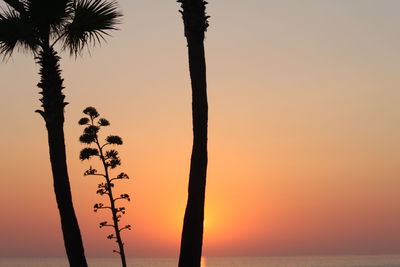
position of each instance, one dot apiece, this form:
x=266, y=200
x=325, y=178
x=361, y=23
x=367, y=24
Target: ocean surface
x=303, y=261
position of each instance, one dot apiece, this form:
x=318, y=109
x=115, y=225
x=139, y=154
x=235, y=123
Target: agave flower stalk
x=110, y=160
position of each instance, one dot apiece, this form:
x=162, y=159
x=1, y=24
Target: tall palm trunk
x=53, y=114
x=195, y=22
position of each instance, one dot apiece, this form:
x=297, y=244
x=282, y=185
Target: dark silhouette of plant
x=110, y=160
x=196, y=22
x=37, y=26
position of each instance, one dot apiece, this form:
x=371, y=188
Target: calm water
x=322, y=261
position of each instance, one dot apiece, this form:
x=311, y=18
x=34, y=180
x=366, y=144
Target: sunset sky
x=304, y=132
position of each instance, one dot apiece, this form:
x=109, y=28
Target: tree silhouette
x=37, y=26
x=109, y=160
x=196, y=23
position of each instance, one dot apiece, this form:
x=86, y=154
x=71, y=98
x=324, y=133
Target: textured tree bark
x=192, y=233
x=53, y=114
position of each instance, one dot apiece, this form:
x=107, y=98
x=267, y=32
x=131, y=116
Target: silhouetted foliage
x=83, y=121
x=37, y=26
x=110, y=159
x=195, y=22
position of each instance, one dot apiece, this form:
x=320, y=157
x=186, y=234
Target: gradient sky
x=304, y=131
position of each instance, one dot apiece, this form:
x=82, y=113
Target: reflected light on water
x=203, y=262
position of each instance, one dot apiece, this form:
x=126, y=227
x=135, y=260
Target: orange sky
x=304, y=131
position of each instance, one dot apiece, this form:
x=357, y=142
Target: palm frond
x=16, y=32
x=93, y=19
x=17, y=5
x=49, y=16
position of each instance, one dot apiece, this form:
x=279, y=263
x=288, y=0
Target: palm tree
x=195, y=22
x=37, y=26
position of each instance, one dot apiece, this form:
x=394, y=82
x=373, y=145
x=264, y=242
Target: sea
x=299, y=261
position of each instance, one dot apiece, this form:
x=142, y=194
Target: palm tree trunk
x=192, y=233
x=53, y=114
